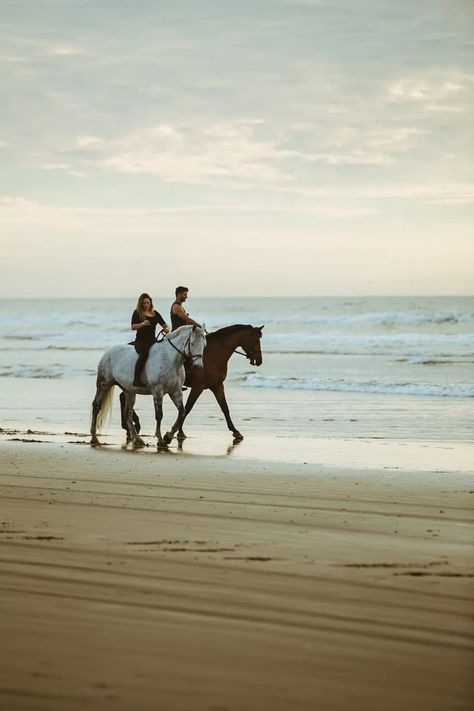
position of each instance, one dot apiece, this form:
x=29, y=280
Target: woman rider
x=144, y=322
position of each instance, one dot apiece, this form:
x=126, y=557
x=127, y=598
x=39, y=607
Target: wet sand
x=145, y=581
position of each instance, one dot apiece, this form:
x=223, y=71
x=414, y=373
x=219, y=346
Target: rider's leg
x=142, y=349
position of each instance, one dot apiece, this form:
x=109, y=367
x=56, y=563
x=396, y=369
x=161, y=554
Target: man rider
x=180, y=317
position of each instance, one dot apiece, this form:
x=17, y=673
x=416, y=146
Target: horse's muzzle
x=197, y=364
x=256, y=360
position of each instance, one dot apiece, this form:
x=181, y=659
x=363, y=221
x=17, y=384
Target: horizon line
x=255, y=296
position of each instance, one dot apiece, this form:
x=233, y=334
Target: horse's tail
x=106, y=409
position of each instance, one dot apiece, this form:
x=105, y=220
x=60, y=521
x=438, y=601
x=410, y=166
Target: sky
x=238, y=147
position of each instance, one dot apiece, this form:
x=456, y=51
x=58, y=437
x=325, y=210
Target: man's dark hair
x=180, y=290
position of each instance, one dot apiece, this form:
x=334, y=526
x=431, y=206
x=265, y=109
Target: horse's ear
x=260, y=328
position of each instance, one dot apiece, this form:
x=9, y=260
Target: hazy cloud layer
x=247, y=121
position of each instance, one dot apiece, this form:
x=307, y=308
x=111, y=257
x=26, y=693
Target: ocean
x=393, y=369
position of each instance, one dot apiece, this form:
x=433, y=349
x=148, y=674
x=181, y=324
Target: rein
x=231, y=350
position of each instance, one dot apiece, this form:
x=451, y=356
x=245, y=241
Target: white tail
x=106, y=409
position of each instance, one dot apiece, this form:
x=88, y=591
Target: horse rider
x=144, y=322
x=180, y=317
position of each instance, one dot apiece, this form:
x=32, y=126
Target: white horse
x=163, y=374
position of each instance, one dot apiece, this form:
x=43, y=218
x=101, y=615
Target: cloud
x=245, y=149
x=445, y=108
x=367, y=145
x=54, y=166
x=426, y=194
x=432, y=92
x=192, y=154
x=20, y=212
x=91, y=142
x=357, y=157
x=62, y=51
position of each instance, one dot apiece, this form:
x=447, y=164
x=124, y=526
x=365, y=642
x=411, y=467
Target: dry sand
x=145, y=581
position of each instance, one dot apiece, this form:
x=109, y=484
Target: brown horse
x=220, y=346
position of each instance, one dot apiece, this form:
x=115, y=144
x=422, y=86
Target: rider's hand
x=145, y=322
x=166, y=329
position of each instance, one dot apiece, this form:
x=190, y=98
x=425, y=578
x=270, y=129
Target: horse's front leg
x=219, y=394
x=127, y=418
x=190, y=402
x=177, y=398
x=158, y=402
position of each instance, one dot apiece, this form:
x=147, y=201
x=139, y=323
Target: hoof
x=138, y=443
x=162, y=447
x=168, y=437
x=237, y=436
x=180, y=436
x=95, y=442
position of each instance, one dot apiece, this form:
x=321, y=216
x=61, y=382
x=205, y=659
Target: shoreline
x=65, y=405
x=191, y=582
x=362, y=453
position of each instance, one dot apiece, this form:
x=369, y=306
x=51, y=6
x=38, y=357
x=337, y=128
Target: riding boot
x=142, y=350
x=137, y=381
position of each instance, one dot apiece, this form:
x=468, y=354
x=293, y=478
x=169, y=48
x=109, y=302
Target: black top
x=176, y=321
x=147, y=333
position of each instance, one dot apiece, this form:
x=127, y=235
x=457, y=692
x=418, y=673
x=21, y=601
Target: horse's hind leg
x=219, y=394
x=135, y=418
x=128, y=421
x=102, y=389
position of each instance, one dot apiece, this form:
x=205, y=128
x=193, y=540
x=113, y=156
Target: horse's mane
x=172, y=334
x=228, y=330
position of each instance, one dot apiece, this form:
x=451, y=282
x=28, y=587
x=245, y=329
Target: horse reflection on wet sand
x=220, y=346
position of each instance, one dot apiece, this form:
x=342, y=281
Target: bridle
x=186, y=356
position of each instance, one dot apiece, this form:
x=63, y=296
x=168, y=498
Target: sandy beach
x=144, y=581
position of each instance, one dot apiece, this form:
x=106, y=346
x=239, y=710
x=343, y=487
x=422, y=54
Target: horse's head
x=251, y=345
x=197, y=343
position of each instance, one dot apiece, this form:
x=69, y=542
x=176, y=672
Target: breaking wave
x=369, y=386
x=52, y=372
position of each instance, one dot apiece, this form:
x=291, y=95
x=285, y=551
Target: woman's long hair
x=139, y=306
